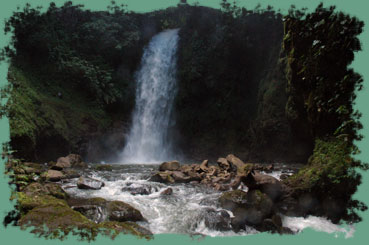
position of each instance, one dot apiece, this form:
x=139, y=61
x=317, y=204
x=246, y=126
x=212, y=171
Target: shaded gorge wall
x=80, y=83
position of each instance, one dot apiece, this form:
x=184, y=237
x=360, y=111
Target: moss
x=57, y=221
x=53, y=218
x=113, y=228
x=330, y=164
x=28, y=202
x=97, y=201
x=246, y=169
x=232, y=199
x=36, y=111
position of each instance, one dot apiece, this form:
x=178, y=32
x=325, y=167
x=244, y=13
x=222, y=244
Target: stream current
x=191, y=209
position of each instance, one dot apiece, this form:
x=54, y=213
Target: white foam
x=297, y=224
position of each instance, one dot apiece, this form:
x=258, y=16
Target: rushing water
x=191, y=209
x=148, y=139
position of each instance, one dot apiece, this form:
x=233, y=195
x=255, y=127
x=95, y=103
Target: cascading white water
x=148, y=140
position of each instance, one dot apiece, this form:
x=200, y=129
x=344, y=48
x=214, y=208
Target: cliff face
x=247, y=83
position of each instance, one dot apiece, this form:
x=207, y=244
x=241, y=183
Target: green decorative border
x=358, y=8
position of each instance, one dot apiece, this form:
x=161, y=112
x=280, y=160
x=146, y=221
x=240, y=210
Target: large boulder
x=216, y=219
x=56, y=221
x=223, y=164
x=180, y=177
x=53, y=175
x=170, y=166
x=162, y=177
x=235, y=161
x=27, y=201
x=113, y=228
x=89, y=183
x=257, y=208
x=230, y=200
x=52, y=189
x=265, y=183
x=61, y=163
x=71, y=174
x=120, y=211
x=74, y=159
x=93, y=208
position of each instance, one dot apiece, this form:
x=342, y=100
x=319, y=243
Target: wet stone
x=89, y=183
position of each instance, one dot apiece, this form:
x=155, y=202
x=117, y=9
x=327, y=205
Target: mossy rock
x=98, y=201
x=104, y=167
x=57, y=221
x=120, y=211
x=260, y=201
x=53, y=218
x=232, y=199
x=29, y=202
x=52, y=189
x=113, y=228
x=246, y=169
x=23, y=177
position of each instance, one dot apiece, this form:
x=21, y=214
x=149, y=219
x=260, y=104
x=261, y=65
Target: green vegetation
x=321, y=90
x=263, y=86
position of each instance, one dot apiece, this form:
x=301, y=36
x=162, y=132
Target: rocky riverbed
x=228, y=197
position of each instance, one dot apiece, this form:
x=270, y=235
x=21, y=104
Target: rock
x=94, y=213
x=53, y=175
x=89, y=183
x=52, y=189
x=217, y=220
x=170, y=166
x=236, y=162
x=93, y=208
x=230, y=200
x=80, y=165
x=125, y=228
x=269, y=167
x=33, y=165
x=162, y=177
x=29, y=170
x=139, y=190
x=55, y=190
x=74, y=159
x=120, y=211
x=61, y=163
x=180, y=177
x=56, y=220
x=204, y=165
x=220, y=187
x=273, y=224
x=194, y=176
x=104, y=167
x=246, y=216
x=267, y=184
x=284, y=176
x=212, y=171
x=167, y=192
x=186, y=169
x=71, y=174
x=27, y=201
x=256, y=181
x=223, y=164
x=257, y=208
x=18, y=170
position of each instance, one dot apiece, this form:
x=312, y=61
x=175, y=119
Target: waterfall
x=149, y=139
